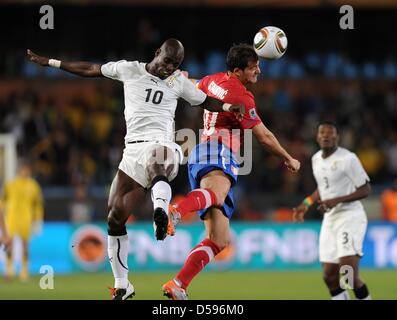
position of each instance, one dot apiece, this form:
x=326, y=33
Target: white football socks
x=118, y=255
x=161, y=195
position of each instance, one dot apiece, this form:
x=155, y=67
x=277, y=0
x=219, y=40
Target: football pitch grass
x=226, y=285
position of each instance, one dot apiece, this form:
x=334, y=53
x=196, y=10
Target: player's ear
x=237, y=71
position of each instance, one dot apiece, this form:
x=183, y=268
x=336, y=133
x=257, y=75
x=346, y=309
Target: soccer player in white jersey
x=341, y=183
x=151, y=158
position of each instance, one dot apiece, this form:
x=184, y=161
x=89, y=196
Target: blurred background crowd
x=72, y=129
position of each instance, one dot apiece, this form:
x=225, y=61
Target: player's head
x=24, y=168
x=327, y=135
x=168, y=58
x=243, y=62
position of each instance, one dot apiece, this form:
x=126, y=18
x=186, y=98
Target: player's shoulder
x=177, y=80
x=134, y=65
x=345, y=153
x=122, y=68
x=125, y=63
x=316, y=156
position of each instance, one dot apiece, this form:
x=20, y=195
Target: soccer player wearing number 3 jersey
x=341, y=183
x=151, y=158
x=213, y=167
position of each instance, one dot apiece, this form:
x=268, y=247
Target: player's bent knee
x=116, y=221
x=221, y=243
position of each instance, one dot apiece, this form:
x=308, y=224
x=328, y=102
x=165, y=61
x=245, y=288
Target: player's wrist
x=54, y=63
x=307, y=202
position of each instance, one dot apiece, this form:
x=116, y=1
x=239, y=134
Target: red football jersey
x=228, y=127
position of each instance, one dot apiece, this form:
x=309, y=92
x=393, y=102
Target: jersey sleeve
x=251, y=117
x=191, y=93
x=119, y=70
x=356, y=172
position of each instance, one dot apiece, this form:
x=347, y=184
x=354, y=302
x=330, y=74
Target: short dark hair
x=239, y=55
x=329, y=123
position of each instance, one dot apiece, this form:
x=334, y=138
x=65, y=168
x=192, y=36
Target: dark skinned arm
x=360, y=193
x=299, y=211
x=215, y=105
x=80, y=68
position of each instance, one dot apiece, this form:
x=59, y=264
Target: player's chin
x=254, y=79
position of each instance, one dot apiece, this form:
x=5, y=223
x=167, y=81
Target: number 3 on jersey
x=156, y=98
x=326, y=182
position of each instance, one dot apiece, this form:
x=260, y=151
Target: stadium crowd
x=79, y=138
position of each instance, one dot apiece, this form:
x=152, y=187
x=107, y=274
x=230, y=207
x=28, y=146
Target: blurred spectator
x=370, y=156
x=24, y=212
x=246, y=212
x=389, y=203
x=81, y=210
x=77, y=135
x=282, y=215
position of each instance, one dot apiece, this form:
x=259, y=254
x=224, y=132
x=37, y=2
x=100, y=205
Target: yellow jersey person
x=23, y=206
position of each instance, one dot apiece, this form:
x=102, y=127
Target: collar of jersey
x=152, y=75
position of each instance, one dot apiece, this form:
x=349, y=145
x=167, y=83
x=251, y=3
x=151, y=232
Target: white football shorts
x=342, y=234
x=136, y=158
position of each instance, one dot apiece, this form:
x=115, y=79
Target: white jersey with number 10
x=150, y=102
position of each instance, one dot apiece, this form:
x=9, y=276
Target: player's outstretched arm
x=269, y=141
x=215, y=105
x=300, y=211
x=80, y=68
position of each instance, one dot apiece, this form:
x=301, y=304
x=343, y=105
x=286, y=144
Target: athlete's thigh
x=350, y=233
x=217, y=225
x=162, y=160
x=217, y=181
x=125, y=193
x=328, y=244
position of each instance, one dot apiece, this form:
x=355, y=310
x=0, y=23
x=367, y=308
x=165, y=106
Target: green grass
x=209, y=285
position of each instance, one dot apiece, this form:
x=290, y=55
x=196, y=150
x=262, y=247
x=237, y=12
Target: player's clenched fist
x=293, y=165
x=299, y=213
x=43, y=61
x=239, y=109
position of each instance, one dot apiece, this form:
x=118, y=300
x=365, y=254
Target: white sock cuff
x=207, y=198
x=206, y=249
x=112, y=240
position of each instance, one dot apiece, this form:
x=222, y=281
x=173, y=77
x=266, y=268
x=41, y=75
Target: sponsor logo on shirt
x=217, y=90
x=252, y=113
x=170, y=81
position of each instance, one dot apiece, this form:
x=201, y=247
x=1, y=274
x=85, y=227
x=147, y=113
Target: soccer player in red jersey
x=212, y=164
